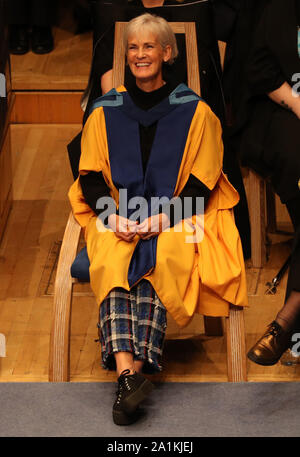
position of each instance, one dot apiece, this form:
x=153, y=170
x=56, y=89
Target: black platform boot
x=132, y=390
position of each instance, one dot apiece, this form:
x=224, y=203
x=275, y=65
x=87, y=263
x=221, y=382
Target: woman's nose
x=140, y=53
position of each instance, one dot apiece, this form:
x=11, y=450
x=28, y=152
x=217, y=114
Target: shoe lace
x=119, y=393
x=122, y=381
x=274, y=330
x=124, y=373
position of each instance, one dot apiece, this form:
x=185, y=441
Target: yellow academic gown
x=203, y=276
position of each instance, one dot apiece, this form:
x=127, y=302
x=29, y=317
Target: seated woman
x=147, y=142
x=271, y=145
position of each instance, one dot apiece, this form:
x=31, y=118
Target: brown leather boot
x=270, y=347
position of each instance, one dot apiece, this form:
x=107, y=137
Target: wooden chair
x=262, y=212
x=255, y=187
x=60, y=333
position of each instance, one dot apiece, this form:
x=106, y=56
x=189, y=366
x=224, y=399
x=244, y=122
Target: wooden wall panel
x=47, y=108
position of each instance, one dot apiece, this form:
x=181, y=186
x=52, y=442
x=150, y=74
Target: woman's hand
x=152, y=226
x=122, y=227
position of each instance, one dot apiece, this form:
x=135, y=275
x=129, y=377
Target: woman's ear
x=167, y=53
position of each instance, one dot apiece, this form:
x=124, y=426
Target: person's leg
x=43, y=13
x=117, y=324
x=278, y=337
x=18, y=13
x=290, y=312
x=124, y=361
x=116, y=331
x=138, y=366
x=42, y=17
x=152, y=324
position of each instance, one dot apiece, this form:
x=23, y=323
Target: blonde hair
x=156, y=25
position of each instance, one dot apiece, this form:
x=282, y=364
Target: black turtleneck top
x=93, y=184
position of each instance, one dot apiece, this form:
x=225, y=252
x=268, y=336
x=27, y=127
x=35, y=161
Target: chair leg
x=271, y=209
x=257, y=219
x=213, y=326
x=59, y=361
x=236, y=348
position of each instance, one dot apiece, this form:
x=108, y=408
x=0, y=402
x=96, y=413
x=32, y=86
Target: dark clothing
x=93, y=184
x=271, y=139
x=235, y=22
x=146, y=100
x=281, y=152
x=294, y=274
x=274, y=57
x=31, y=12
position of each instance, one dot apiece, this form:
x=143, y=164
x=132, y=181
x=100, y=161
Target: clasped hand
x=126, y=229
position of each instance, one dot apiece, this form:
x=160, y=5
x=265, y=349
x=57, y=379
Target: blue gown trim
x=181, y=94
x=112, y=98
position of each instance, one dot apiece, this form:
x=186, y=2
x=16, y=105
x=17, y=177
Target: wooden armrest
x=68, y=252
x=60, y=333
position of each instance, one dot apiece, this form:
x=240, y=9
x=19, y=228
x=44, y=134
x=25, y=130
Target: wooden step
x=47, y=108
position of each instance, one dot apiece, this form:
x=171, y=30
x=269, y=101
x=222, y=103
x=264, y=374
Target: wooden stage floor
x=66, y=68
x=30, y=246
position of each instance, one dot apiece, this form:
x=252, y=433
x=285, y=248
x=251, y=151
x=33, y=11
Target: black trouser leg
x=232, y=168
x=31, y=12
x=43, y=12
x=18, y=12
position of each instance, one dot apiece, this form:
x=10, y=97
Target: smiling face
x=145, y=57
